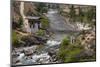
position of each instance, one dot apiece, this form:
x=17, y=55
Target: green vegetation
x=15, y=39
x=69, y=55
x=91, y=15
x=80, y=16
x=40, y=32
x=75, y=52
x=65, y=42
x=20, y=22
x=41, y=8
x=44, y=22
x=87, y=16
x=72, y=14
x=68, y=52
x=84, y=15
x=17, y=24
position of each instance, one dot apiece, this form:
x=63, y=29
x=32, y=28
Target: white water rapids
x=41, y=57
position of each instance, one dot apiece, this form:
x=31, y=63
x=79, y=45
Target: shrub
x=17, y=24
x=71, y=54
x=20, y=22
x=40, y=32
x=68, y=52
x=65, y=41
x=41, y=8
x=15, y=39
x=44, y=22
x=61, y=55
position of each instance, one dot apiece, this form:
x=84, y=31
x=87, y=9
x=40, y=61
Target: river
x=58, y=25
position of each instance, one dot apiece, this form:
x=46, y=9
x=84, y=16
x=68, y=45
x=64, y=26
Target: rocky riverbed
x=36, y=54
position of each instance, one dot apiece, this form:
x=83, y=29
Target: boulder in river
x=28, y=53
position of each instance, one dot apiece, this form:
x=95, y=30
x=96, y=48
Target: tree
x=41, y=8
x=81, y=15
x=91, y=15
x=72, y=14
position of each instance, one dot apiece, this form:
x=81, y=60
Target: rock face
x=88, y=39
x=88, y=42
x=33, y=40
